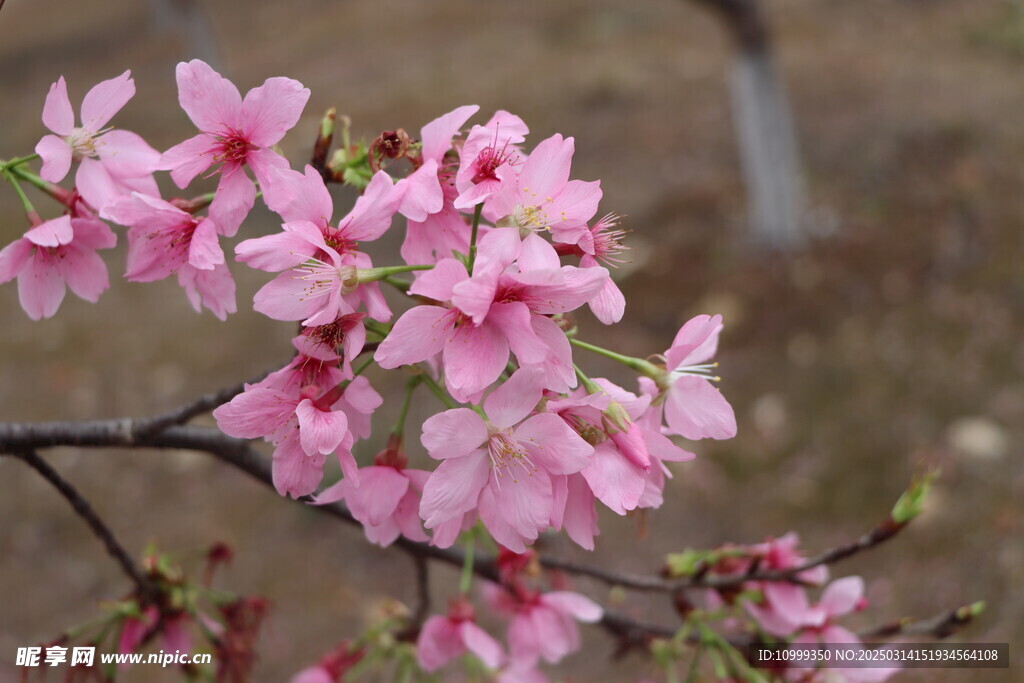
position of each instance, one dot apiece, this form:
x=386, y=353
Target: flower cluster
x=501, y=246
x=782, y=609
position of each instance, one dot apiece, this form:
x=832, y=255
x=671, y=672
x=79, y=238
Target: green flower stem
x=25, y=203
x=590, y=385
x=374, y=274
x=438, y=391
x=19, y=161
x=639, y=364
x=400, y=285
x=410, y=387
x=472, y=237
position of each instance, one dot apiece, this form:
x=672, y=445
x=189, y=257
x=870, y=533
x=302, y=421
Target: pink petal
x=419, y=334
x=516, y=506
x=371, y=216
x=421, y=193
x=380, y=490
x=214, y=289
x=84, y=272
x=454, y=488
x=547, y=170
x=56, y=155
x=97, y=186
x=696, y=410
x=265, y=163
x=14, y=258
x=233, y=200
x=559, y=375
x=576, y=204
x=187, y=159
x=538, y=254
x=608, y=305
x=438, y=283
x=52, y=233
x=696, y=341
x=40, y=289
x=271, y=110
x=106, y=99
x=580, y=518
x=454, y=433
x=614, y=480
x=295, y=473
x=126, y=154
x=256, y=413
x=475, y=295
x=57, y=113
x=320, y=431
x=841, y=596
x=210, y=100
x=439, y=642
x=277, y=252
x=579, y=607
x=437, y=135
x=481, y=644
x=297, y=196
x=515, y=321
x=204, y=250
x=553, y=445
x=285, y=298
x=474, y=356
x=515, y=399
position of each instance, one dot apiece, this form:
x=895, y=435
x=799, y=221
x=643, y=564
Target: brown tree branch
x=147, y=591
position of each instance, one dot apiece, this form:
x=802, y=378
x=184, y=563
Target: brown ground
x=891, y=343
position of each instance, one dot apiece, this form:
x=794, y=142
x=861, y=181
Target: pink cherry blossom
x=163, y=240
x=445, y=638
x=839, y=598
x=113, y=162
x=544, y=626
x=321, y=263
x=501, y=465
x=542, y=196
x=386, y=501
x=503, y=308
x=56, y=254
x=693, y=407
x=235, y=133
x=304, y=432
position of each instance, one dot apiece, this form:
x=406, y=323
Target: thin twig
x=940, y=626
x=422, y=609
x=81, y=506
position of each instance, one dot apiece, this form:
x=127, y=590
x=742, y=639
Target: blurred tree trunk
x=188, y=19
x=765, y=131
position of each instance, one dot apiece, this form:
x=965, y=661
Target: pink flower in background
x=839, y=598
x=320, y=263
x=445, y=638
x=544, y=625
x=502, y=465
x=163, y=240
x=113, y=162
x=694, y=408
x=54, y=255
x=235, y=133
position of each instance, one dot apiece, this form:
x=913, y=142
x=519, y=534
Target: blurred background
x=878, y=329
